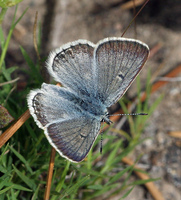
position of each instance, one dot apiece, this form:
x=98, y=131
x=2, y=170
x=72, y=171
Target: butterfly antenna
x=123, y=114
x=101, y=143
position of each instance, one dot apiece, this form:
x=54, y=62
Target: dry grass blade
x=131, y=4
x=50, y=174
x=176, y=134
x=8, y=82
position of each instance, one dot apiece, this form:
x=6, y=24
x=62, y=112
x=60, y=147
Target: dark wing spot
x=121, y=76
x=82, y=135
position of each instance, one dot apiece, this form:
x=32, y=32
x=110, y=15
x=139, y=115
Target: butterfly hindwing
x=74, y=137
x=52, y=103
x=69, y=129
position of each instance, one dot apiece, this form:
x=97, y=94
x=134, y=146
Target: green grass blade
x=95, y=187
x=6, y=189
x=62, y=179
x=13, y=197
x=2, y=39
x=29, y=182
x=22, y=159
x=118, y=175
x=3, y=54
x=142, y=182
x=34, y=73
x=72, y=189
x=102, y=191
x=35, y=194
x=2, y=12
x=19, y=187
x=111, y=157
x=127, y=193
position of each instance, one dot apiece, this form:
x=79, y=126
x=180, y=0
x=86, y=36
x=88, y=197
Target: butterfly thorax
x=98, y=109
x=94, y=107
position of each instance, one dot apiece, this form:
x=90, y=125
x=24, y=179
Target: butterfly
x=94, y=77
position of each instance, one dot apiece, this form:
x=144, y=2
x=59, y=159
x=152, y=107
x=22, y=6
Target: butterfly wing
x=69, y=129
x=118, y=62
x=72, y=66
x=50, y=103
x=74, y=137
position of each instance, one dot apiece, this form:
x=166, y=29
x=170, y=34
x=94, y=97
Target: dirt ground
x=158, y=24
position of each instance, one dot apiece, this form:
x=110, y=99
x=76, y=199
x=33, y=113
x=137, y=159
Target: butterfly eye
x=106, y=119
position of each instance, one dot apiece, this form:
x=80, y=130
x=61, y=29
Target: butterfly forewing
x=72, y=66
x=118, y=62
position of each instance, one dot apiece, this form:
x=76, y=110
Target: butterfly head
x=105, y=118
